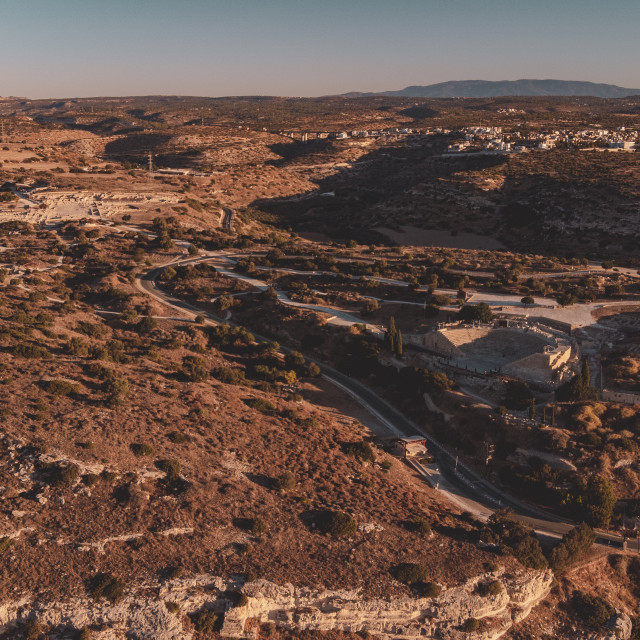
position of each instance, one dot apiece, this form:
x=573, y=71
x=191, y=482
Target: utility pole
x=150, y=162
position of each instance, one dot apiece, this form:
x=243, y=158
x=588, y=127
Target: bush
x=237, y=598
x=115, y=388
x=177, y=437
x=336, y=523
x=93, y=330
x=573, y=545
x=195, y=369
x=594, y=611
x=146, y=325
x=77, y=347
x=285, y=482
x=361, y=450
x=429, y=589
x=229, y=375
x=172, y=607
x=107, y=586
x=470, y=625
x=171, y=468
x=259, y=404
x=421, y=525
x=257, y=526
x=31, y=351
x=141, y=449
x=475, y=313
x=5, y=543
x=410, y=573
x=493, y=588
x=519, y=539
x=61, y=387
x=60, y=475
x=204, y=621
x=369, y=307
x=599, y=500
x=313, y=370
x=169, y=273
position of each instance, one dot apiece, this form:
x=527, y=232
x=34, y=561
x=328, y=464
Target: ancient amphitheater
x=523, y=351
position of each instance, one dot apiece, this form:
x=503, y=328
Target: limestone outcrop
x=298, y=608
x=146, y=616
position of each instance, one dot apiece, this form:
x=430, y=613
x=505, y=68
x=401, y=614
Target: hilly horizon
x=498, y=88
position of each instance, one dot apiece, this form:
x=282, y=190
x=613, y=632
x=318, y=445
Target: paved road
x=466, y=488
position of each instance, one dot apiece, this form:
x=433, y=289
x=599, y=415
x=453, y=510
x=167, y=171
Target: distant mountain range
x=492, y=89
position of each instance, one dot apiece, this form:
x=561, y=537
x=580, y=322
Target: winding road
x=455, y=480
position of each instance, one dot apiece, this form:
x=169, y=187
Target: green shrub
x=141, y=449
x=470, y=625
x=410, y=573
x=492, y=588
x=172, y=607
x=573, y=545
x=31, y=351
x=311, y=423
x=429, y=589
x=195, y=369
x=61, y=388
x=520, y=540
x=147, y=325
x=90, y=479
x=361, y=450
x=107, y=586
x=594, y=611
x=237, y=598
x=421, y=525
x=257, y=526
x=60, y=475
x=77, y=347
x=91, y=329
x=204, y=621
x=336, y=523
x=229, y=375
x=177, y=437
x=285, y=482
x=260, y=404
x=171, y=468
x=5, y=543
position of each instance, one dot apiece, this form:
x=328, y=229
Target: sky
x=81, y=48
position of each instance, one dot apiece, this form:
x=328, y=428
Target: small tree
x=475, y=313
x=195, y=369
x=336, y=523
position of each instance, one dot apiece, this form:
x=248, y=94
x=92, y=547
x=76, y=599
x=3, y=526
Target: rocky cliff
x=146, y=616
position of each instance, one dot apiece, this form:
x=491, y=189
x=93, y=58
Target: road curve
x=475, y=492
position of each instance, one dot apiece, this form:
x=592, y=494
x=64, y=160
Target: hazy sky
x=72, y=48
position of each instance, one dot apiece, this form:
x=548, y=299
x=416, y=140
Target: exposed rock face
x=619, y=627
x=297, y=608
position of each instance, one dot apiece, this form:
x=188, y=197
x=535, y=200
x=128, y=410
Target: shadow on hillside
x=369, y=189
x=558, y=203
x=136, y=148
